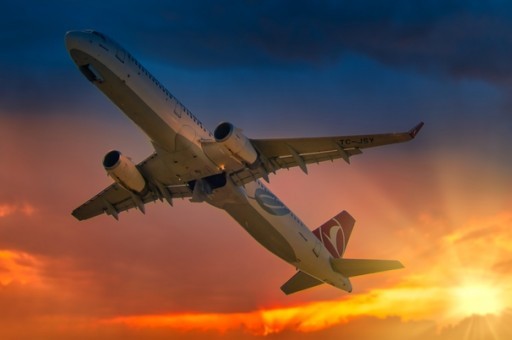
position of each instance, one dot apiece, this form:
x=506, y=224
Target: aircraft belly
x=273, y=232
x=261, y=230
x=291, y=242
x=130, y=103
x=310, y=255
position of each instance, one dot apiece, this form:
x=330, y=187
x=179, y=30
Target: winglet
x=414, y=131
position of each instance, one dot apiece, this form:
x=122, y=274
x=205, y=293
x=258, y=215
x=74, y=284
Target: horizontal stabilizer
x=355, y=267
x=298, y=282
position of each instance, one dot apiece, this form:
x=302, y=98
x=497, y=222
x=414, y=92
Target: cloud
x=10, y=209
x=125, y=293
x=139, y=277
x=18, y=267
x=454, y=38
x=363, y=327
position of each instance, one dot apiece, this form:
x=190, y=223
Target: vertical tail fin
x=335, y=233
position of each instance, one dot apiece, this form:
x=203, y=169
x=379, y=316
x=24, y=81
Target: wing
x=277, y=154
x=116, y=199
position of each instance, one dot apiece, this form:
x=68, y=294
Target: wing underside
x=276, y=154
x=115, y=199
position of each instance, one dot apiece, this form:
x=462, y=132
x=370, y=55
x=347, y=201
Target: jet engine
x=123, y=171
x=236, y=142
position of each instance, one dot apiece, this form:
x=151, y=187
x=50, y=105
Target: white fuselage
x=175, y=131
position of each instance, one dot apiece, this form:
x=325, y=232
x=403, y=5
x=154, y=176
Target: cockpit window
x=99, y=35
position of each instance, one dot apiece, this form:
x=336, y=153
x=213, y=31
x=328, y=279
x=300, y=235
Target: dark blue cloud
x=460, y=39
x=452, y=36
x=456, y=38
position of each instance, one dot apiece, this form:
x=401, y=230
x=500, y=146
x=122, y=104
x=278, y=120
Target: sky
x=440, y=204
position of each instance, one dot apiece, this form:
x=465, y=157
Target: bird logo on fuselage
x=270, y=203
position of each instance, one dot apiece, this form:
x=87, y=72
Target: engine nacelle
x=236, y=142
x=123, y=171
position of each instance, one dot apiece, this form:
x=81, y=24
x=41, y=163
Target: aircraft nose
x=73, y=38
x=70, y=39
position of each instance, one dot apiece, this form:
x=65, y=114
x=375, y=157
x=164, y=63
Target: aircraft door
x=317, y=247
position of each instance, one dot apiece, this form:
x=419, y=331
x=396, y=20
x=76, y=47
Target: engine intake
x=123, y=171
x=236, y=142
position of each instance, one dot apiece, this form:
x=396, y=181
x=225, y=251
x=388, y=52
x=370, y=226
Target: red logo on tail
x=335, y=233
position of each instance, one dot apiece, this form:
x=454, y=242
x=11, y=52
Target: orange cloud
x=18, y=267
x=304, y=318
x=407, y=303
x=455, y=282
x=11, y=209
x=455, y=249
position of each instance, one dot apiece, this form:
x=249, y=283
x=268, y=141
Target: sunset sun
x=476, y=298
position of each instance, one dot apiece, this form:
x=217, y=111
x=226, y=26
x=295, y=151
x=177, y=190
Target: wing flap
x=279, y=147
x=290, y=152
x=356, y=267
x=247, y=175
x=298, y=282
x=115, y=199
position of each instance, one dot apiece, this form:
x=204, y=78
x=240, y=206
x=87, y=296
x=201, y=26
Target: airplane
x=222, y=168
